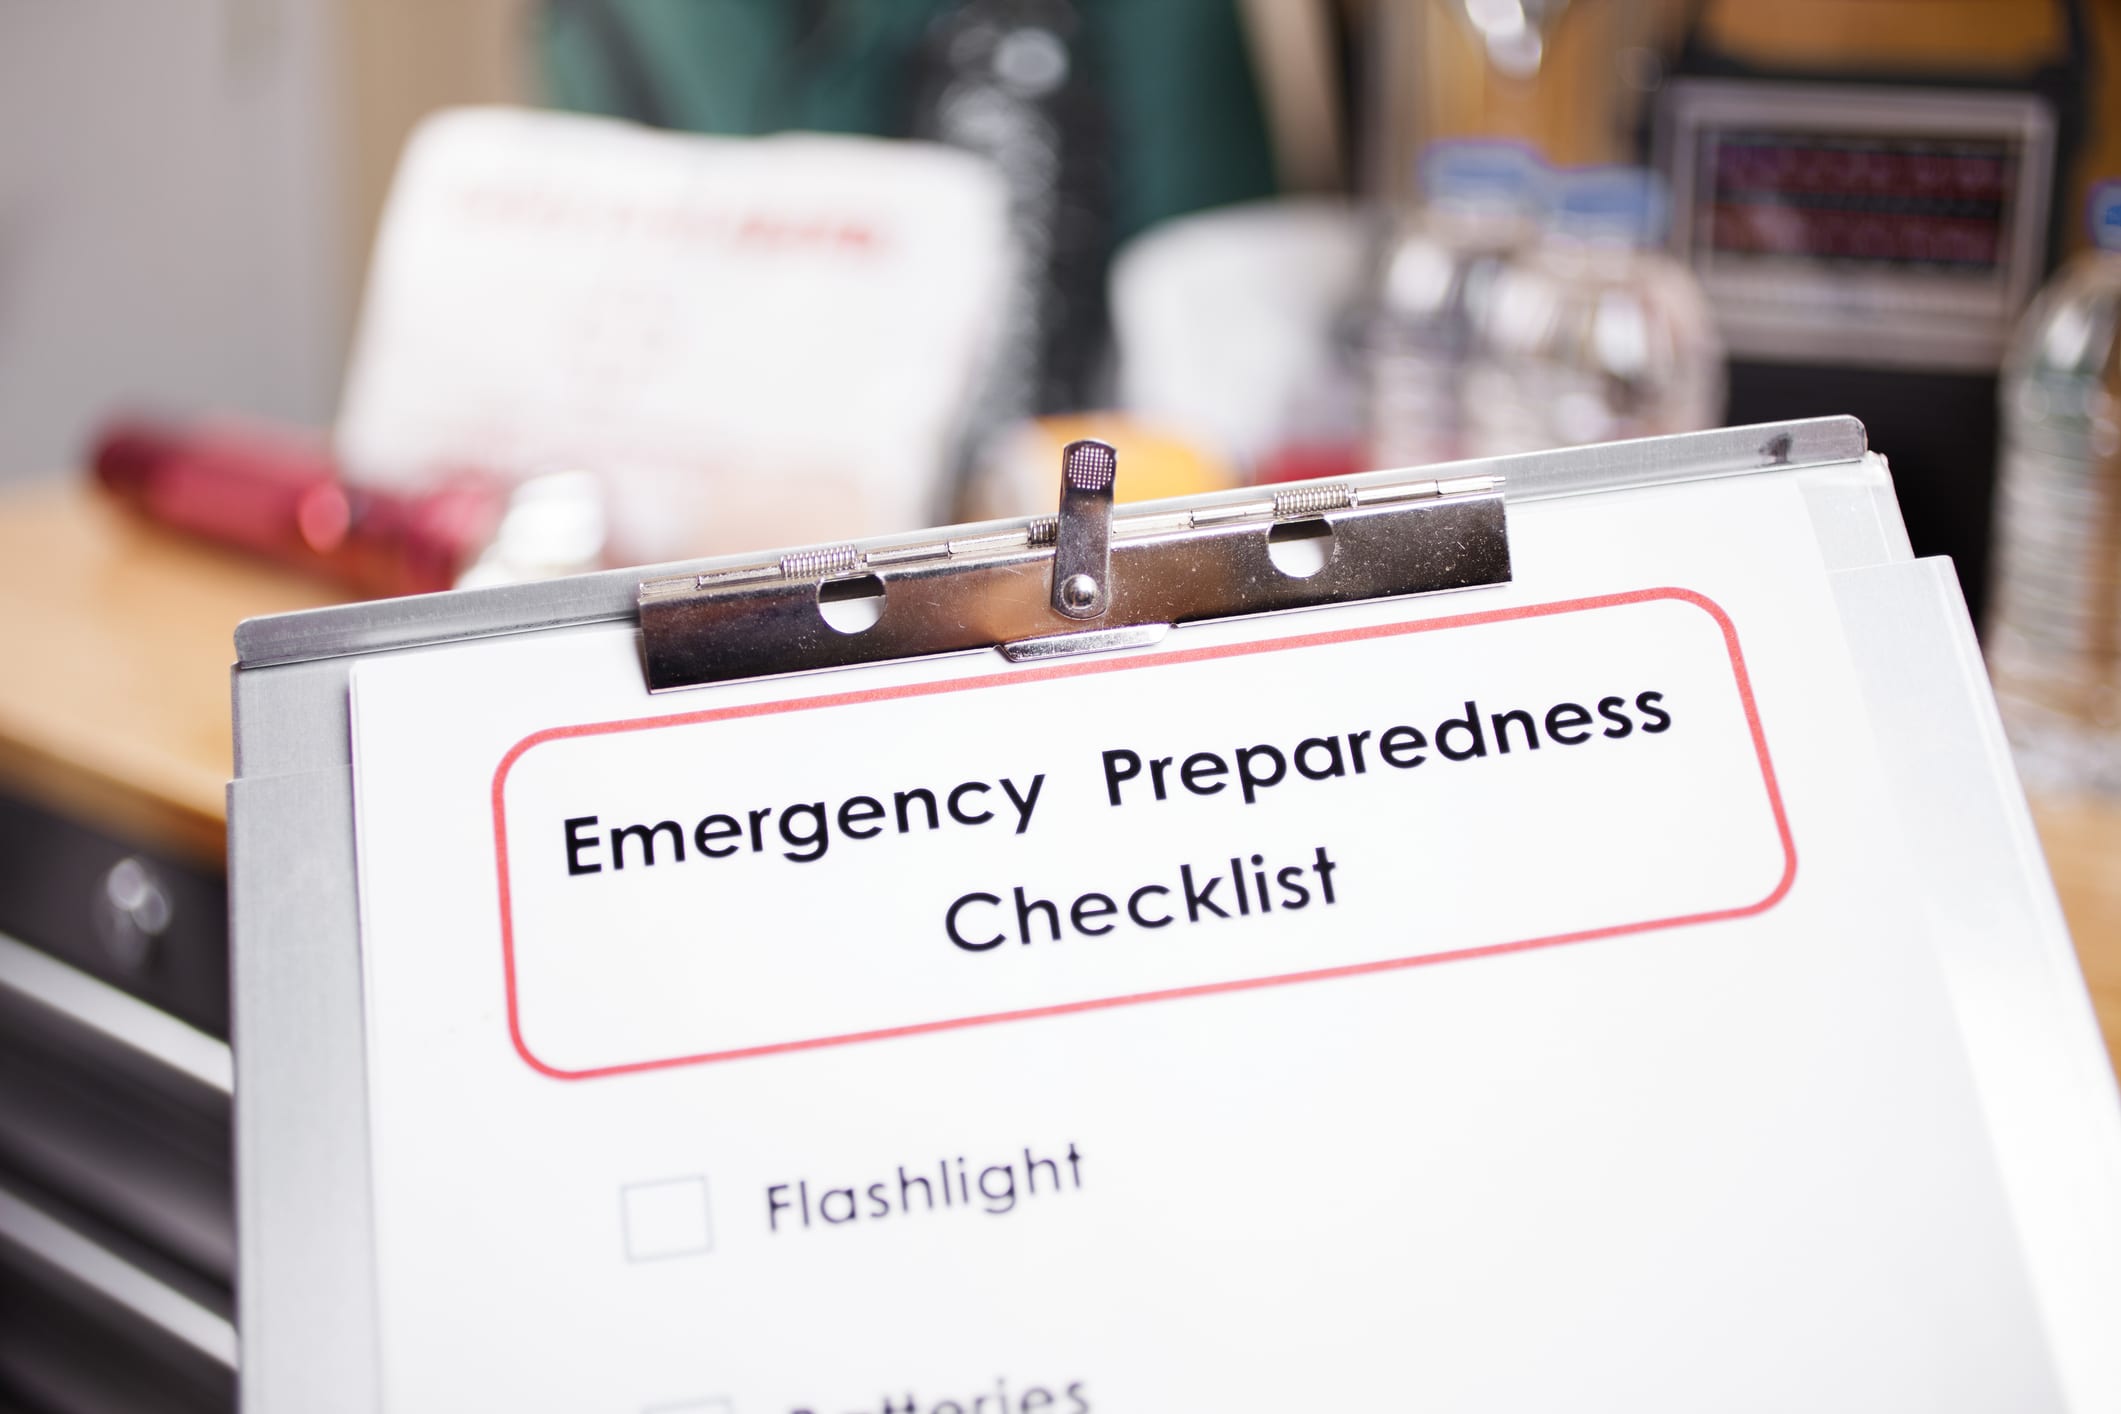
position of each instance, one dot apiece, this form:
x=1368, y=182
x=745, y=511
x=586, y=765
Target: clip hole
x=1300, y=548
x=851, y=605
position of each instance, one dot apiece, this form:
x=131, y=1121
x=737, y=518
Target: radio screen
x=1938, y=204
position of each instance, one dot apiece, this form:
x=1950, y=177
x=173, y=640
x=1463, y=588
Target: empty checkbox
x=666, y=1219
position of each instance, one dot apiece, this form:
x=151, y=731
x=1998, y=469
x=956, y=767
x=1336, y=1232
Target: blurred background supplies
x=1593, y=333
x=749, y=342
x=277, y=492
x=1016, y=476
x=1101, y=118
x=1870, y=193
x=1009, y=80
x=1517, y=308
x=1226, y=329
x=2054, y=632
x=1571, y=80
x=1426, y=316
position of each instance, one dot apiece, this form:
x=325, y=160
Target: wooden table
x=117, y=639
x=114, y=704
x=2083, y=843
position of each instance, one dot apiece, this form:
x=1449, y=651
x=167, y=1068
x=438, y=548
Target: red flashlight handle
x=279, y=494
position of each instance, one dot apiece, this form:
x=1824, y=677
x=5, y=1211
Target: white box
x=668, y=1218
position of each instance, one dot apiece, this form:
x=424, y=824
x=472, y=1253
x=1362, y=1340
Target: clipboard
x=1117, y=930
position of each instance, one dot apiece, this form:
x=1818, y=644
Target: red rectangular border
x=1107, y=665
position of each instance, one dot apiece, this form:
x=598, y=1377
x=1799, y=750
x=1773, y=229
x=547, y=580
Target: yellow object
x=1022, y=478
x=1152, y=463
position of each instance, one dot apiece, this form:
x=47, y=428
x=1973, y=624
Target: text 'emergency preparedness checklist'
x=853, y=866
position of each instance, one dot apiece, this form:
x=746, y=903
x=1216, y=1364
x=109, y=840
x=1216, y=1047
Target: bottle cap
x=1482, y=172
x=2105, y=211
x=1623, y=205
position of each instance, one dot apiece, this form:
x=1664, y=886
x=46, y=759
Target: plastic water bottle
x=1480, y=207
x=2054, y=631
x=1594, y=334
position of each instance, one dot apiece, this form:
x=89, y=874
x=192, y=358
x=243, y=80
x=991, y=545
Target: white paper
x=1603, y=1158
x=750, y=340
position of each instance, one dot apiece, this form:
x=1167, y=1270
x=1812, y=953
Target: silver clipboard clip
x=1081, y=581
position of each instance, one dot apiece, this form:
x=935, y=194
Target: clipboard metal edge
x=1152, y=568
x=606, y=596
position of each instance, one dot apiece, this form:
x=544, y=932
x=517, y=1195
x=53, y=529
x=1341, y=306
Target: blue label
x=2106, y=215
